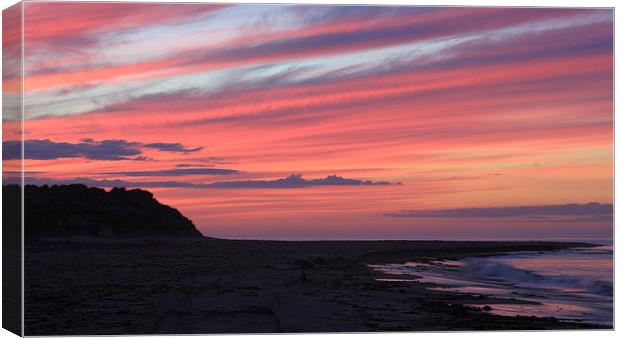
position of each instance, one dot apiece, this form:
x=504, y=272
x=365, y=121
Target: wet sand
x=225, y=286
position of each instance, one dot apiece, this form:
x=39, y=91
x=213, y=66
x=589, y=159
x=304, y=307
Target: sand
x=224, y=286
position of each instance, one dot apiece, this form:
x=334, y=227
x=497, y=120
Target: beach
x=183, y=286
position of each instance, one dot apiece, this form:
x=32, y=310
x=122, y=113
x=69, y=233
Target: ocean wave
x=484, y=269
x=570, y=284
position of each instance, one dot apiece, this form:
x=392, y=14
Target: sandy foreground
x=225, y=286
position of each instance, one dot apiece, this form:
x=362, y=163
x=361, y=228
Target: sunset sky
x=328, y=122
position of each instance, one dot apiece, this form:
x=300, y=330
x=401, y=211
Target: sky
x=327, y=122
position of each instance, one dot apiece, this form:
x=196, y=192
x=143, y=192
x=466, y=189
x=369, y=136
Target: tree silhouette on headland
x=78, y=210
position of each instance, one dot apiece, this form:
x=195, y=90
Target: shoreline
x=509, y=289
x=243, y=286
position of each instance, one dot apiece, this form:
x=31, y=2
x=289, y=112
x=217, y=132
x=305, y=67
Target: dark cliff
x=77, y=210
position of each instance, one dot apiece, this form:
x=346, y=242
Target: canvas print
x=289, y=168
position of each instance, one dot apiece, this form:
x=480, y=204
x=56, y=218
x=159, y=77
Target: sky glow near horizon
x=388, y=113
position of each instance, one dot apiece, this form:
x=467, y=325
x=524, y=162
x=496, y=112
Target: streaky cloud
x=172, y=147
x=177, y=172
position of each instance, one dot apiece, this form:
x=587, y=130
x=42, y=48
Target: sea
x=573, y=284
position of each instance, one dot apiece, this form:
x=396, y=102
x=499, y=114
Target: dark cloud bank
x=105, y=150
x=578, y=212
x=296, y=181
x=293, y=181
